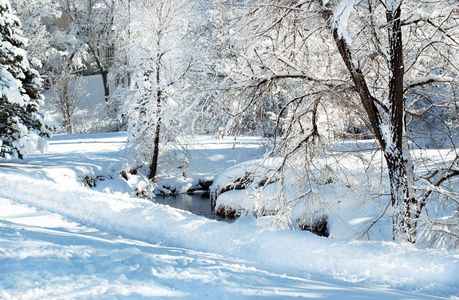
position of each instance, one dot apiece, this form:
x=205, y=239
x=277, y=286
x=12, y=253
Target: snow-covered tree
x=35, y=17
x=276, y=81
x=22, y=127
x=160, y=61
x=58, y=51
x=92, y=23
x=65, y=95
x=393, y=57
x=369, y=59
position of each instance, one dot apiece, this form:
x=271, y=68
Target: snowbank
x=397, y=265
x=195, y=161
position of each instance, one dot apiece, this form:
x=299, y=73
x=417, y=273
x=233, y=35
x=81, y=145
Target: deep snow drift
x=59, y=238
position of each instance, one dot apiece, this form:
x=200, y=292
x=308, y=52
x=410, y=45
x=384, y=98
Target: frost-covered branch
x=437, y=178
x=431, y=78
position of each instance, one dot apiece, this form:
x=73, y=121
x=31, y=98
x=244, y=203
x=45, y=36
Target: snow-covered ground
x=61, y=239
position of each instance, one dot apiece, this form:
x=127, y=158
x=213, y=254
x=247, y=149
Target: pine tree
x=22, y=127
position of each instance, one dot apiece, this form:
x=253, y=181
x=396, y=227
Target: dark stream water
x=198, y=204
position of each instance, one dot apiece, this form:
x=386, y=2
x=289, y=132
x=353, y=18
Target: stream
x=197, y=203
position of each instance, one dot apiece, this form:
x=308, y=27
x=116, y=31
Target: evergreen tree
x=22, y=127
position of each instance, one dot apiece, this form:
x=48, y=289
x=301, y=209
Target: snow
x=9, y=88
x=61, y=239
x=341, y=18
x=210, y=156
x=429, y=78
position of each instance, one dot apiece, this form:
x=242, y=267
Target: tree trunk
x=154, y=161
x=401, y=201
x=66, y=109
x=389, y=133
x=104, y=73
